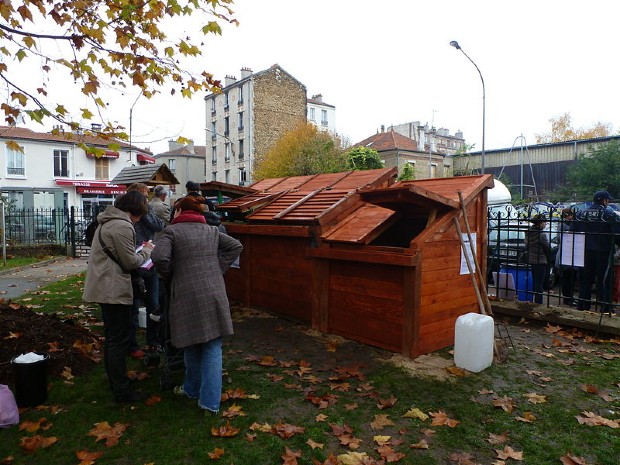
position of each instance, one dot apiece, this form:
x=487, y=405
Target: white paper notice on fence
x=465, y=239
x=573, y=247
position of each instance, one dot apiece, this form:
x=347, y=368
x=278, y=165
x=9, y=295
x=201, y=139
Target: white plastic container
x=142, y=317
x=473, y=342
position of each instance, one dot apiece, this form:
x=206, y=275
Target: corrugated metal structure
x=360, y=255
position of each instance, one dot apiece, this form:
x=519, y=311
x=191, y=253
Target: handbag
x=9, y=413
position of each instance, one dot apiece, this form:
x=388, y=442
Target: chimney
x=190, y=146
x=245, y=72
x=382, y=128
x=229, y=80
x=174, y=145
x=318, y=98
x=95, y=127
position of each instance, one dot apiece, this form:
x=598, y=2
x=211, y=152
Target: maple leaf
x=462, y=458
x=331, y=460
x=152, y=400
x=216, y=454
x=352, y=458
x=456, y=371
x=591, y=419
x=275, y=377
x=314, y=445
x=389, y=454
x=552, y=329
x=286, y=430
x=338, y=430
x=267, y=361
x=534, y=398
x=380, y=422
x=497, y=438
x=264, y=428
x=416, y=413
x=290, y=457
x=350, y=441
x=111, y=434
x=509, y=453
x=234, y=411
x=234, y=394
x=87, y=458
x=32, y=443
x=382, y=440
x=386, y=403
x=528, y=417
x=33, y=426
x=320, y=417
x=352, y=406
x=570, y=459
x=505, y=403
x=421, y=444
x=331, y=346
x=225, y=431
x=441, y=419
x=66, y=374
x=342, y=387
x=250, y=437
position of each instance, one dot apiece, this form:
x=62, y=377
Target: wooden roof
x=305, y=199
x=150, y=175
x=233, y=191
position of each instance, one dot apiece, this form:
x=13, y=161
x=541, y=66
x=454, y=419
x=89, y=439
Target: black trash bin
x=30, y=382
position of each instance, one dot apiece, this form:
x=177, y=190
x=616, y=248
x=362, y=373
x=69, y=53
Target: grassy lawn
x=16, y=262
x=292, y=397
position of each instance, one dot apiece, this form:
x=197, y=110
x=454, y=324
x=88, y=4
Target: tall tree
x=562, y=130
x=598, y=170
x=363, y=158
x=100, y=43
x=301, y=151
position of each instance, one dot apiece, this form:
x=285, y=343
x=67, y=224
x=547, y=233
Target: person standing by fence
x=538, y=253
x=601, y=225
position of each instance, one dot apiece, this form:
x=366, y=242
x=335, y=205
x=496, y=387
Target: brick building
x=246, y=118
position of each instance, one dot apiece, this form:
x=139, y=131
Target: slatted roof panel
x=311, y=206
x=248, y=202
x=271, y=210
x=151, y=175
x=362, y=226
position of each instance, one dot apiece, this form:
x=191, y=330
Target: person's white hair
x=160, y=191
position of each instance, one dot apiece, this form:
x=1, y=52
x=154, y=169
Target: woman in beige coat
x=108, y=283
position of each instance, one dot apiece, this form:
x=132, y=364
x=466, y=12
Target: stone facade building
x=187, y=162
x=440, y=139
x=246, y=118
x=397, y=150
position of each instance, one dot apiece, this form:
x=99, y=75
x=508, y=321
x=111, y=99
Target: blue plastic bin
x=524, y=284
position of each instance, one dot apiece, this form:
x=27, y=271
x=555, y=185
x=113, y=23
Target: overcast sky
x=390, y=62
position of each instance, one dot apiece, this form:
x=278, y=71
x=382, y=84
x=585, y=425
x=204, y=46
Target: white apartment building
x=321, y=114
x=53, y=171
x=246, y=118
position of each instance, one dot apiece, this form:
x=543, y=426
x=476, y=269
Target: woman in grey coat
x=108, y=283
x=193, y=257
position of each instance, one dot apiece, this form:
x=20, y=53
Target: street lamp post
x=456, y=45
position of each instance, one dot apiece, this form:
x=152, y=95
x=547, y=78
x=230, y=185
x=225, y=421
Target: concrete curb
x=40, y=264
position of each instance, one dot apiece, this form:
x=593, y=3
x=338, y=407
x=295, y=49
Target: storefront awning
x=146, y=158
x=100, y=190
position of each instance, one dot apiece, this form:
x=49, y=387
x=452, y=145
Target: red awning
x=100, y=190
x=146, y=158
x=106, y=154
x=91, y=184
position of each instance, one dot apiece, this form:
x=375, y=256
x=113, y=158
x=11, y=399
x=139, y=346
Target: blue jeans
x=203, y=373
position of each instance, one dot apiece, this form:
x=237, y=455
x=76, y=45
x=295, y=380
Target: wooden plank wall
x=445, y=294
x=365, y=302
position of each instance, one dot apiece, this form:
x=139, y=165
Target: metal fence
x=64, y=226
x=571, y=277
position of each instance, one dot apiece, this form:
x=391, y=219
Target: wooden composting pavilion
x=360, y=255
x=151, y=175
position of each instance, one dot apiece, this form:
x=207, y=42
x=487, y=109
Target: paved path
x=15, y=282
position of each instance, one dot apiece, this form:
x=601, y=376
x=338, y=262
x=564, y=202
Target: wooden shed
x=151, y=175
x=360, y=255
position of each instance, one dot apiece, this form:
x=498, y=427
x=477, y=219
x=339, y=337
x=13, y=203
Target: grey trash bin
x=30, y=382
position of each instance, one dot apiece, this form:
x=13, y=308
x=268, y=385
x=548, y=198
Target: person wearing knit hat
x=193, y=257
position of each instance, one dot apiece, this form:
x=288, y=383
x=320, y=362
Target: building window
x=213, y=131
x=15, y=163
x=324, y=117
x=240, y=101
x=227, y=177
x=240, y=123
x=61, y=163
x=172, y=164
x=102, y=168
x=311, y=114
x=214, y=176
x=213, y=106
x=226, y=126
x=243, y=176
x=227, y=152
x=214, y=155
x=226, y=101
x=241, y=149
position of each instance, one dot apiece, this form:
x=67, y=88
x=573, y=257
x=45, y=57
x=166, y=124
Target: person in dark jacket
x=538, y=253
x=193, y=257
x=568, y=272
x=108, y=283
x=146, y=288
x=602, y=227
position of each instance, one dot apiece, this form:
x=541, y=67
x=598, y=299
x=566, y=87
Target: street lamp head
x=455, y=44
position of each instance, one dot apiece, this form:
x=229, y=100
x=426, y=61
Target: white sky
x=390, y=62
